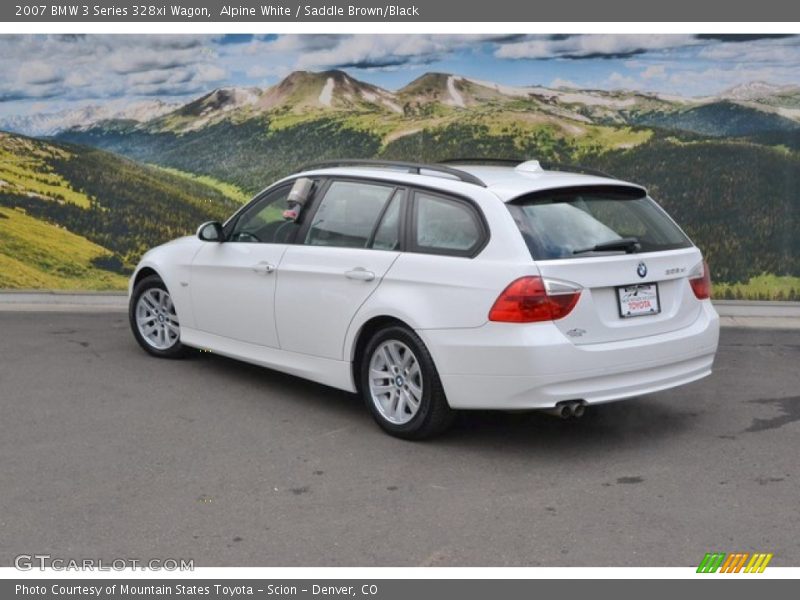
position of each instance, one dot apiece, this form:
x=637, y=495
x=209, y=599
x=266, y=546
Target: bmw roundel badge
x=641, y=270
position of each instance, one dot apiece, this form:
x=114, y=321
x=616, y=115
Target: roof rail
x=546, y=165
x=483, y=161
x=411, y=167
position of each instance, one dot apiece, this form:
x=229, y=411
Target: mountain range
x=126, y=178
x=759, y=106
x=48, y=124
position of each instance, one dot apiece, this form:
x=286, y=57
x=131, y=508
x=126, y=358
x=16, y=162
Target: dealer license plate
x=638, y=300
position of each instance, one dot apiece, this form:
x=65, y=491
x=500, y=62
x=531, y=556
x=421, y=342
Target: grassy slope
x=761, y=287
x=25, y=167
x=38, y=255
x=67, y=206
x=228, y=189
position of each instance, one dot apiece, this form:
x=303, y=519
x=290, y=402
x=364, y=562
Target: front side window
x=348, y=213
x=263, y=222
x=579, y=222
x=445, y=225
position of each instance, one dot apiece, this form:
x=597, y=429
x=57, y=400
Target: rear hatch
x=631, y=260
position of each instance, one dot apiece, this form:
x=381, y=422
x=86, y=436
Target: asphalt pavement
x=108, y=453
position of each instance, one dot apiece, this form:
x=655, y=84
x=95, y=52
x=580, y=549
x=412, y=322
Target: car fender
x=172, y=262
x=366, y=313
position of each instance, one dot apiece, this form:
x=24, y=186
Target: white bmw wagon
x=433, y=288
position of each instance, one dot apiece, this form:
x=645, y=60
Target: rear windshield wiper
x=629, y=245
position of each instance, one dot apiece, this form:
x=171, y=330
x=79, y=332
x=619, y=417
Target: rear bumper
x=510, y=366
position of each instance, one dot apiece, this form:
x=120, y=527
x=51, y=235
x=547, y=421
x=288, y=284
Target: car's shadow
x=632, y=422
x=635, y=422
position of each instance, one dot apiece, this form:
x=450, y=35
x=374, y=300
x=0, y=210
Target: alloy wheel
x=157, y=320
x=395, y=382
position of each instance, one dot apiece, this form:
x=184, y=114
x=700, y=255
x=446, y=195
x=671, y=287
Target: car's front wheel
x=401, y=386
x=154, y=320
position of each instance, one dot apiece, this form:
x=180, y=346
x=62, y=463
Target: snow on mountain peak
x=46, y=124
x=751, y=91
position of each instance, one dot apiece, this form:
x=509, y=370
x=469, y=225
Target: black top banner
x=260, y=11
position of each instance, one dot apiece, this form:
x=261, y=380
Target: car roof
x=506, y=182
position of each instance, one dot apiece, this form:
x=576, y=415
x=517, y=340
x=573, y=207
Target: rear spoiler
x=612, y=190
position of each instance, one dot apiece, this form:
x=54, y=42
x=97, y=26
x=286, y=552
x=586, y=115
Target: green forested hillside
x=718, y=119
x=92, y=211
x=252, y=153
x=249, y=154
x=738, y=199
x=457, y=140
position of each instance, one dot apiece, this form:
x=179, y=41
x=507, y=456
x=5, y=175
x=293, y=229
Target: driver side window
x=263, y=222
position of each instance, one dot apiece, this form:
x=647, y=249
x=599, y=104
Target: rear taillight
x=700, y=280
x=531, y=299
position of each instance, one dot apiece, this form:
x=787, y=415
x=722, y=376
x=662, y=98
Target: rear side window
x=445, y=225
x=578, y=222
x=348, y=214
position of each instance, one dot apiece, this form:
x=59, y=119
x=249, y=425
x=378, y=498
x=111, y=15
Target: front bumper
x=512, y=367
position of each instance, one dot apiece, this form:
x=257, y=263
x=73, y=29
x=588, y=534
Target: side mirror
x=211, y=232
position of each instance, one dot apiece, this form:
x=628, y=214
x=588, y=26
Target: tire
x=160, y=334
x=390, y=377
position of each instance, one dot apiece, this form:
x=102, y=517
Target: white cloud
x=619, y=81
x=38, y=73
x=369, y=51
x=303, y=43
x=80, y=67
x=781, y=50
x=76, y=80
x=264, y=72
x=654, y=72
x=589, y=46
x=205, y=73
x=99, y=68
x=159, y=77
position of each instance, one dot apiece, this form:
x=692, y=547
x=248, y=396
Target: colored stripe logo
x=735, y=562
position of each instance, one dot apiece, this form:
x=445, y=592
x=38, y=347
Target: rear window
x=579, y=222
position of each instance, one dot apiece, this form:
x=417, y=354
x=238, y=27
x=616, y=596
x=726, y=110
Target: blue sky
x=50, y=73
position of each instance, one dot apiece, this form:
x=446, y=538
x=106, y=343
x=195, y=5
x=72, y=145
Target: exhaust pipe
x=561, y=410
x=569, y=409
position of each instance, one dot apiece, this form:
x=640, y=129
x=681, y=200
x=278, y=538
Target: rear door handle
x=264, y=267
x=360, y=274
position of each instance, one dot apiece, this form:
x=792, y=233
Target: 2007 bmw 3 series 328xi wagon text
x=432, y=288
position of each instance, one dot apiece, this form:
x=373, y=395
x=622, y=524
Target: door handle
x=360, y=274
x=264, y=267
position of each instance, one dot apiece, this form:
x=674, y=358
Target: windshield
x=579, y=222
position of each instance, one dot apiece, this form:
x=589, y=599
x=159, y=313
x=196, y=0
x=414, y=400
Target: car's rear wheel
x=154, y=320
x=401, y=386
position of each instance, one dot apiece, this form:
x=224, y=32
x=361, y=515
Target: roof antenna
x=529, y=166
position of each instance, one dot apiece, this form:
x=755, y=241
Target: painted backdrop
x=112, y=144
